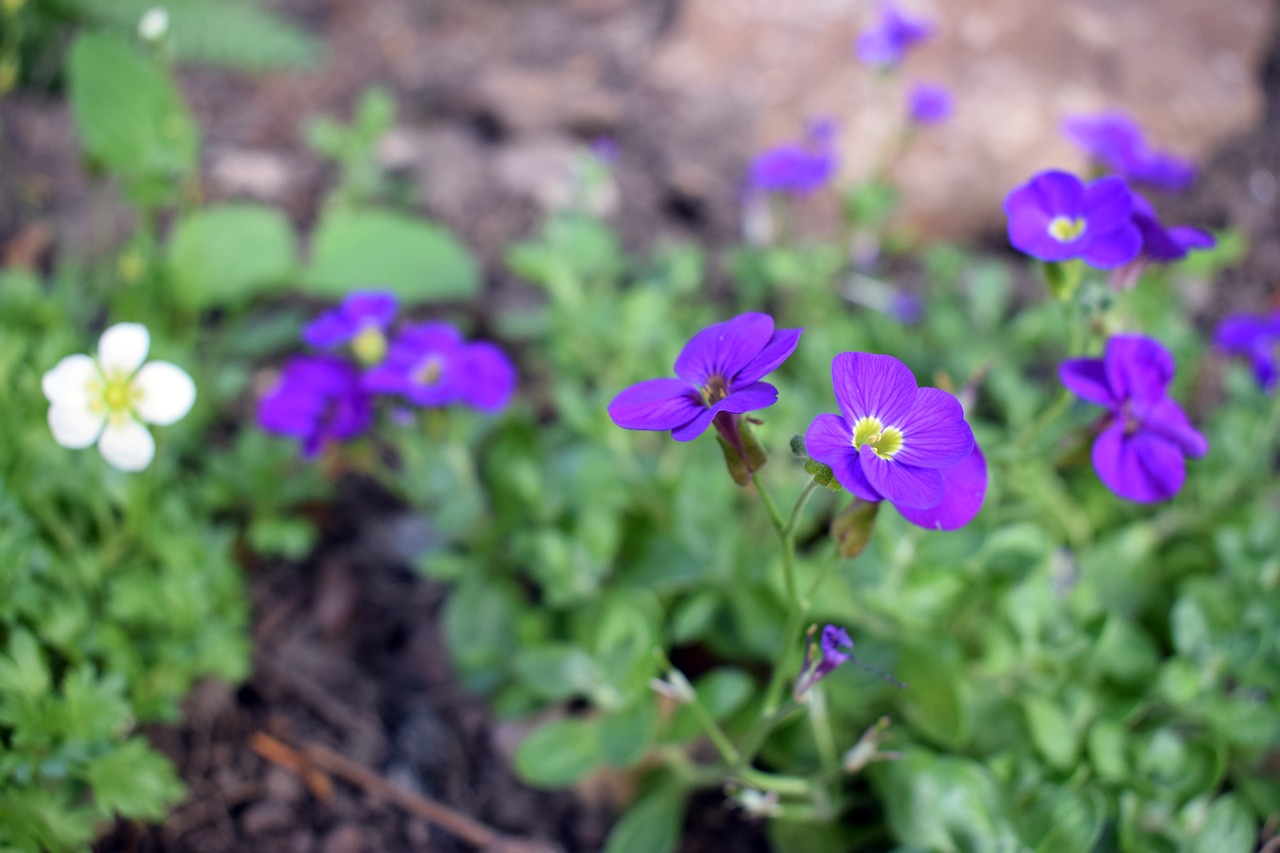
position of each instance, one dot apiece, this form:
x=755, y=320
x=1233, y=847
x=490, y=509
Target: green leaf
x=130, y=115
x=625, y=735
x=224, y=255
x=950, y=804
x=935, y=703
x=559, y=753
x=1228, y=828
x=134, y=782
x=1051, y=731
x=417, y=260
x=557, y=670
x=651, y=825
x=23, y=670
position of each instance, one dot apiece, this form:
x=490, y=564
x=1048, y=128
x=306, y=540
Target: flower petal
x=69, y=381
x=872, y=385
x=656, y=404
x=758, y=395
x=776, y=351
x=829, y=440
x=1107, y=204
x=74, y=426
x=489, y=377
x=905, y=485
x=934, y=433
x=1141, y=466
x=123, y=347
x=1167, y=419
x=1114, y=249
x=1087, y=379
x=964, y=486
x=724, y=348
x=165, y=392
x=1138, y=368
x=127, y=445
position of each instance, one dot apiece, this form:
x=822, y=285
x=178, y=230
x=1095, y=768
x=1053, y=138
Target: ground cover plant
x=904, y=548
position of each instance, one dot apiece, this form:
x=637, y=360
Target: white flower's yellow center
x=114, y=395
x=1064, y=229
x=884, y=441
x=429, y=372
x=369, y=345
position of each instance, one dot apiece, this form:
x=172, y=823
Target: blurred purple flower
x=929, y=103
x=720, y=371
x=361, y=319
x=429, y=364
x=1141, y=451
x=1115, y=141
x=894, y=441
x=1255, y=338
x=318, y=399
x=798, y=169
x=1056, y=217
x=1161, y=243
x=889, y=38
x=906, y=308
x=605, y=149
x=832, y=646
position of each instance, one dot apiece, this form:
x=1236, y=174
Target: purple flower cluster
x=897, y=442
x=1254, y=338
x=1116, y=142
x=929, y=103
x=797, y=169
x=326, y=398
x=1140, y=453
x=894, y=32
x=1057, y=217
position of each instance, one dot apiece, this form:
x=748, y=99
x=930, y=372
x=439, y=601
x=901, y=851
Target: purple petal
x=1138, y=368
x=656, y=404
x=1107, y=205
x=1167, y=419
x=332, y=328
x=375, y=306
x=873, y=385
x=489, y=377
x=1192, y=238
x=725, y=348
x=902, y=485
x=829, y=440
x=964, y=486
x=778, y=350
x=759, y=395
x=1241, y=333
x=1114, y=249
x=934, y=434
x=358, y=311
x=1032, y=207
x=1110, y=137
x=1087, y=379
x=1140, y=467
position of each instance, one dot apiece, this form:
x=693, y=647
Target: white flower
x=104, y=400
x=154, y=24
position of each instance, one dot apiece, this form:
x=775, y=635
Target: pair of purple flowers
x=1057, y=217
x=326, y=398
x=892, y=441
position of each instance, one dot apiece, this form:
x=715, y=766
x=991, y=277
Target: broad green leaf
x=557, y=670
x=559, y=753
x=1228, y=828
x=935, y=702
x=224, y=255
x=945, y=804
x=417, y=260
x=130, y=115
x=1051, y=731
x=625, y=735
x=651, y=825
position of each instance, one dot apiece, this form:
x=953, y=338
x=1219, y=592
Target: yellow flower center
x=429, y=372
x=1065, y=230
x=369, y=345
x=884, y=441
x=715, y=390
x=115, y=396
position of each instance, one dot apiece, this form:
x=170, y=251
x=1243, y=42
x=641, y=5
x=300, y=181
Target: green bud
x=797, y=447
x=822, y=474
x=852, y=528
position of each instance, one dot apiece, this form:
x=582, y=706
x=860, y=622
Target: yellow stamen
x=884, y=441
x=1065, y=230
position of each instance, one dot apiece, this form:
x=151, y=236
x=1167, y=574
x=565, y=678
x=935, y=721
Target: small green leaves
x=559, y=753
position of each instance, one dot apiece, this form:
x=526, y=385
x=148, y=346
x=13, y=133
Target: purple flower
x=894, y=441
x=720, y=371
x=1161, y=243
x=1255, y=338
x=929, y=103
x=362, y=319
x=430, y=364
x=318, y=399
x=1056, y=217
x=797, y=169
x=1141, y=452
x=1115, y=141
x=832, y=644
x=892, y=34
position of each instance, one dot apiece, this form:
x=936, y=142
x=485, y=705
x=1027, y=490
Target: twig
x=290, y=759
x=320, y=699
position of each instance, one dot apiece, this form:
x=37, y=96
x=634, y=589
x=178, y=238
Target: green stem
x=823, y=739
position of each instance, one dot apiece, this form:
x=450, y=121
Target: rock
x=262, y=818
x=522, y=100
x=344, y=838
x=252, y=173
x=283, y=786
x=1182, y=68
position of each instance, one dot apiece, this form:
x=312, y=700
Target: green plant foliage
x=222, y=256
x=418, y=261
x=130, y=116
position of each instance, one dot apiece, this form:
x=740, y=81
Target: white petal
x=127, y=445
x=165, y=392
x=123, y=347
x=74, y=426
x=69, y=380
